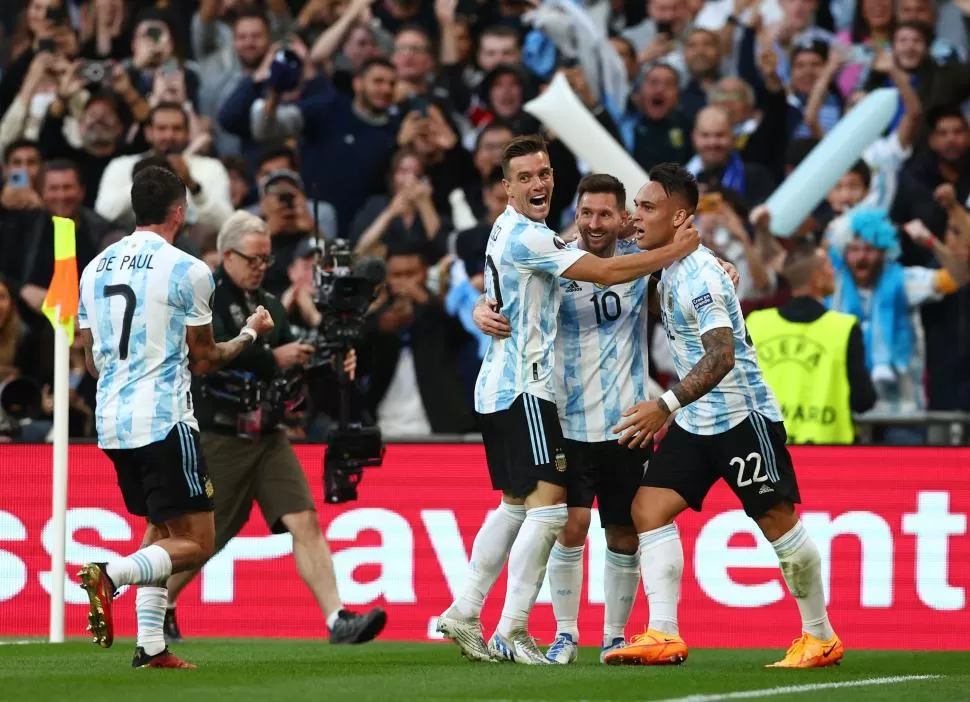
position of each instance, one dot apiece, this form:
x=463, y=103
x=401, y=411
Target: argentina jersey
x=137, y=298
x=696, y=296
x=523, y=261
x=601, y=354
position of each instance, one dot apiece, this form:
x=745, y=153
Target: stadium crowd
x=383, y=123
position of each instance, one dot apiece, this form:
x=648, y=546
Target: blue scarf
x=888, y=336
x=733, y=177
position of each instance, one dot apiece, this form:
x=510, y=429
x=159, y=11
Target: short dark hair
x=279, y=150
x=937, y=114
x=17, y=145
x=375, y=61
x=156, y=160
x=497, y=125
x=861, y=169
x=154, y=191
x=522, y=146
x=63, y=164
x=501, y=30
x=676, y=180
x=925, y=30
x=167, y=107
x=800, y=261
x=251, y=13
x=239, y=164
x=602, y=183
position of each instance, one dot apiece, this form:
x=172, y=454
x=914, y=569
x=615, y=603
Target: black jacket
x=231, y=306
x=435, y=341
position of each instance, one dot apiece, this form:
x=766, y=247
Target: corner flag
x=60, y=305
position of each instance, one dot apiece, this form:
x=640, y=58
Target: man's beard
x=98, y=137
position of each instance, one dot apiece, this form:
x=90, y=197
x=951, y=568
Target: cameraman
x=264, y=470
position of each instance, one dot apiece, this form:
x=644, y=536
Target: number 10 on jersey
x=606, y=306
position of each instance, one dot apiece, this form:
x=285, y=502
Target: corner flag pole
x=60, y=307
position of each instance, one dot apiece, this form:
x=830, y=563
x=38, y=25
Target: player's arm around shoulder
x=623, y=269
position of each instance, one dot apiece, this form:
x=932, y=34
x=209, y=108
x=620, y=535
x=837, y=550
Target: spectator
x=813, y=68
x=407, y=219
x=347, y=44
x=264, y=108
x=718, y=160
x=410, y=356
x=359, y=135
x=881, y=293
x=702, y=58
x=101, y=130
x=238, y=169
x=282, y=202
x=167, y=132
x=226, y=56
x=154, y=67
x=283, y=158
x=655, y=130
x=661, y=36
x=486, y=157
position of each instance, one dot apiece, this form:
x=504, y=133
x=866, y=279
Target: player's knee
x=577, y=527
x=654, y=508
x=622, y=540
x=778, y=520
x=304, y=526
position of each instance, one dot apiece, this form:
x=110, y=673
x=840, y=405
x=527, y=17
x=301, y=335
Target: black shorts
x=751, y=457
x=523, y=445
x=609, y=472
x=166, y=479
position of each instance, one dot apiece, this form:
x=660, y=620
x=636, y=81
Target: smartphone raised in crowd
x=18, y=179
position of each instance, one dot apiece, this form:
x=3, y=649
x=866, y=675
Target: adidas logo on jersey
x=765, y=489
x=573, y=287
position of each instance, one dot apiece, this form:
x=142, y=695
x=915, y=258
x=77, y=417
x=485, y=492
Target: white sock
x=662, y=565
x=621, y=577
x=802, y=567
x=332, y=618
x=566, y=585
x=527, y=564
x=489, y=553
x=150, y=601
x=148, y=565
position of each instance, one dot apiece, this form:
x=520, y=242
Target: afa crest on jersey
x=560, y=461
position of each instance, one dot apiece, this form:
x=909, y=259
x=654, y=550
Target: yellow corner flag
x=60, y=305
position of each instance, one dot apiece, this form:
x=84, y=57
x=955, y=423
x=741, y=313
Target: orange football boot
x=809, y=652
x=650, y=648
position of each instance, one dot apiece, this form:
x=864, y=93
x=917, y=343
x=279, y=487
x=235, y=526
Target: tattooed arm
x=206, y=356
x=717, y=362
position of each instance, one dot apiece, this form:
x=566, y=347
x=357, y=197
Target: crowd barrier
x=891, y=525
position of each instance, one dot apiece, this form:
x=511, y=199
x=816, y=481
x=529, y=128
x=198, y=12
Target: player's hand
x=490, y=321
x=731, y=271
x=643, y=420
x=687, y=238
x=260, y=321
x=295, y=353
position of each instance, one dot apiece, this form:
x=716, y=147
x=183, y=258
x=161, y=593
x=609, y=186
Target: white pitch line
x=768, y=692
x=795, y=689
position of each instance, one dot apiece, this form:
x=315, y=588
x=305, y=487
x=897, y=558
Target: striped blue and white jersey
x=696, y=296
x=523, y=262
x=601, y=354
x=137, y=298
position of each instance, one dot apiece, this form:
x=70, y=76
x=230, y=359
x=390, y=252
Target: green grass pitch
x=287, y=670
